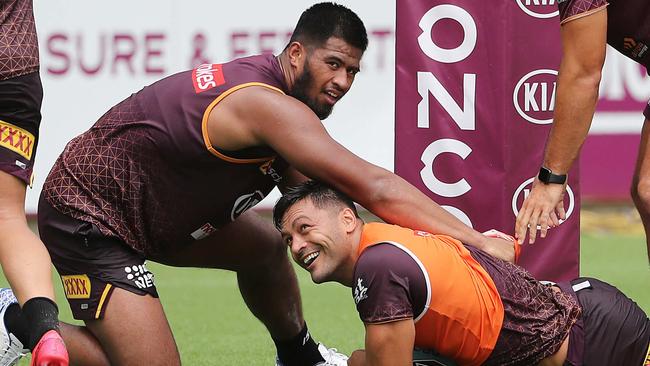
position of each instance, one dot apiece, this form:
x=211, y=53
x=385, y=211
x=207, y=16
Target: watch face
x=546, y=176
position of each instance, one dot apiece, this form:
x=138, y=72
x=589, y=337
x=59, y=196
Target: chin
x=319, y=278
x=316, y=279
x=324, y=113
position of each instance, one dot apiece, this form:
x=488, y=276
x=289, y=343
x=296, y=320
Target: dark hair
x=324, y=20
x=320, y=195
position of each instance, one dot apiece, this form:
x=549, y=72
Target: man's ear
x=297, y=54
x=349, y=219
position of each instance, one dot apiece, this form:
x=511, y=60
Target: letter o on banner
x=447, y=11
x=430, y=154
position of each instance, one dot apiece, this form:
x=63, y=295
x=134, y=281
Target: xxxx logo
x=16, y=139
x=76, y=286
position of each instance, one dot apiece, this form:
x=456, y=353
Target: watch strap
x=547, y=176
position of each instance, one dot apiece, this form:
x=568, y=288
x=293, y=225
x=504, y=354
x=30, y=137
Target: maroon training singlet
x=146, y=172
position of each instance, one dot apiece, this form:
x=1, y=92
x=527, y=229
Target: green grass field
x=213, y=327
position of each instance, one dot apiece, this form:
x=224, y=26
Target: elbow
x=584, y=76
x=381, y=190
x=590, y=79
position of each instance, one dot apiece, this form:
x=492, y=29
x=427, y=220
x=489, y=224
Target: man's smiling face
x=317, y=239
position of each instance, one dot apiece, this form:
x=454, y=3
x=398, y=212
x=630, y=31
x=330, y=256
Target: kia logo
x=524, y=189
x=534, y=96
x=542, y=9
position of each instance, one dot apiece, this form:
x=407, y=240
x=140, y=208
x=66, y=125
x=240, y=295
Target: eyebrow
x=340, y=60
x=292, y=224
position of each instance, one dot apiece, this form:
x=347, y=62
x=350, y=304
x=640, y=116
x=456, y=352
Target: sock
x=16, y=324
x=300, y=350
x=42, y=315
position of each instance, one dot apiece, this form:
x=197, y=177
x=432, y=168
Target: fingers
x=554, y=220
x=559, y=208
x=521, y=225
x=532, y=226
x=544, y=224
x=539, y=212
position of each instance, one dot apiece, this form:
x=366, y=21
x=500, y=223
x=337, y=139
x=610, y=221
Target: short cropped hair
x=324, y=20
x=320, y=195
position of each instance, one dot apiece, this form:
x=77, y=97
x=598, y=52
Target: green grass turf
x=213, y=327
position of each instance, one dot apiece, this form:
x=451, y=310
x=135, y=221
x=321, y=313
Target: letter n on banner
x=475, y=93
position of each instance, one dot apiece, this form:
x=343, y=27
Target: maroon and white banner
x=475, y=91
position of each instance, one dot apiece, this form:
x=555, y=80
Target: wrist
x=478, y=240
x=548, y=176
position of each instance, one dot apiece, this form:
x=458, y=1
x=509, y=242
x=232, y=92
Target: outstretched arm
x=294, y=132
x=387, y=344
x=583, y=44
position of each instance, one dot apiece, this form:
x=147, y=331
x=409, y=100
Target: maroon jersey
x=146, y=171
x=628, y=24
x=18, y=43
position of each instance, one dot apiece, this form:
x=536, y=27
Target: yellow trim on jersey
x=16, y=139
x=102, y=299
x=206, y=115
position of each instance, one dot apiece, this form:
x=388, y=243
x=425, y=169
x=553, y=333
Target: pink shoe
x=50, y=351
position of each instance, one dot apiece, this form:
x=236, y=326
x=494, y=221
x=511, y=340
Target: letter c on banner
x=447, y=11
x=430, y=154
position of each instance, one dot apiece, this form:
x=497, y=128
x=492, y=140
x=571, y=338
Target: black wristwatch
x=546, y=176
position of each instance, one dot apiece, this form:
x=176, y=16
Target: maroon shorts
x=613, y=329
x=20, y=117
x=90, y=263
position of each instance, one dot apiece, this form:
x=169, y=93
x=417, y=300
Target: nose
x=298, y=244
x=343, y=79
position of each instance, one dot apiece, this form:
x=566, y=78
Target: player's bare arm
x=294, y=132
x=583, y=44
x=291, y=177
x=387, y=344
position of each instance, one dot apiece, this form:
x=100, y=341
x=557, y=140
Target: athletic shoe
x=331, y=356
x=11, y=349
x=50, y=351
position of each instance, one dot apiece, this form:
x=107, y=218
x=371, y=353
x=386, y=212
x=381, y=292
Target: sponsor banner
x=474, y=104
